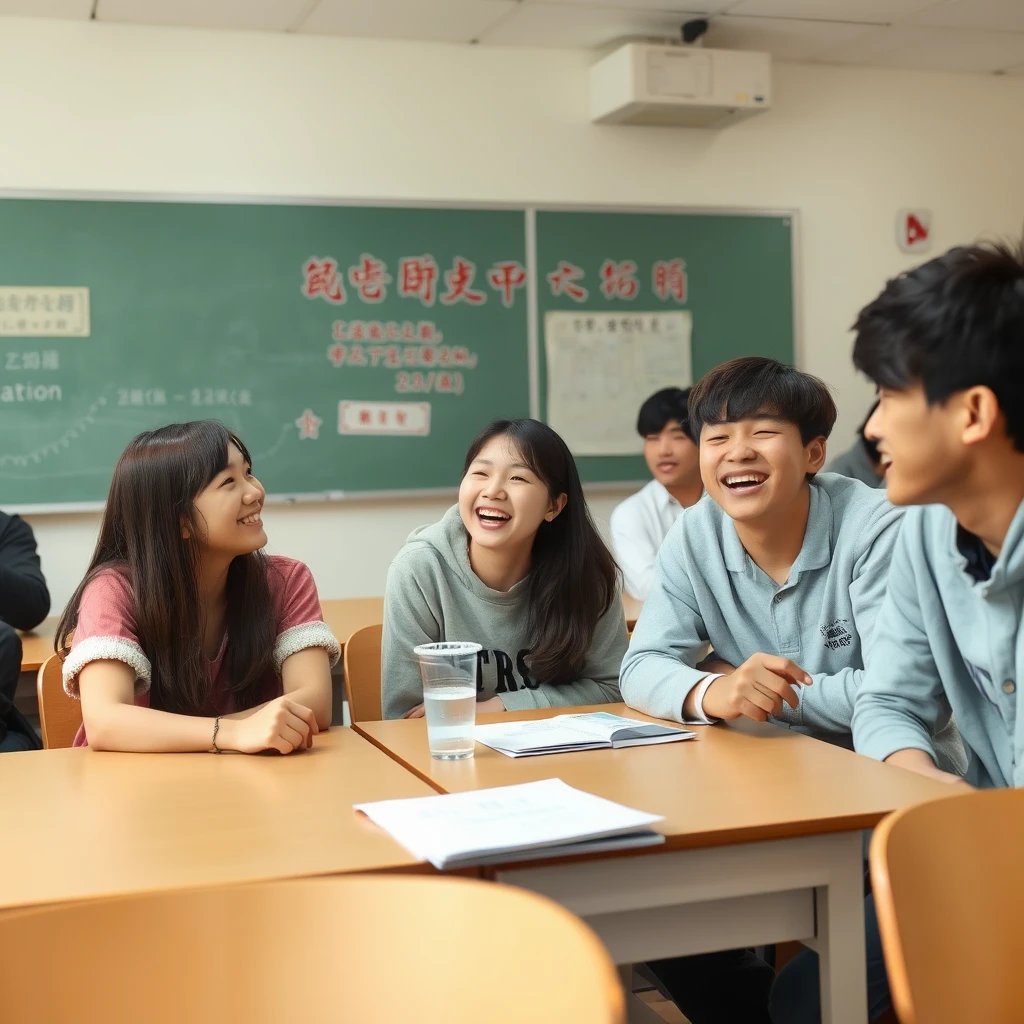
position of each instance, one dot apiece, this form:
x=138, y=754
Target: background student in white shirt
x=640, y=523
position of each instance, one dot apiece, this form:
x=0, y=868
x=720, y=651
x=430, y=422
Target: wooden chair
x=362, y=674
x=60, y=716
x=950, y=900
x=345, y=949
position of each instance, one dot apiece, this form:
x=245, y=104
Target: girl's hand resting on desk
x=485, y=707
x=282, y=725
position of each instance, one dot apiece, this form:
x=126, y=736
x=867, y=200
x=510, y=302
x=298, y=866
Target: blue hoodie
x=947, y=640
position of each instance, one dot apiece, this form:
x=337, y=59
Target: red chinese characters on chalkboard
x=459, y=281
x=418, y=280
x=320, y=279
x=618, y=279
x=370, y=279
x=668, y=279
x=505, y=277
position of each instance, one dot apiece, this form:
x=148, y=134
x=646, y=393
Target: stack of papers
x=511, y=823
x=566, y=733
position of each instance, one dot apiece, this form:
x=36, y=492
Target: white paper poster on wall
x=602, y=366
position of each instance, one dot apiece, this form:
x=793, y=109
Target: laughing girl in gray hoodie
x=518, y=567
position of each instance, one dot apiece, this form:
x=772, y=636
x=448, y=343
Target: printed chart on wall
x=353, y=349
x=632, y=302
x=600, y=370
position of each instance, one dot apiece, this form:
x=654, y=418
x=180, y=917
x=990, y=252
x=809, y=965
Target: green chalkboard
x=299, y=326
x=733, y=272
x=355, y=349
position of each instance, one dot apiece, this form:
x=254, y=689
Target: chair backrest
x=362, y=674
x=60, y=716
x=950, y=900
x=259, y=953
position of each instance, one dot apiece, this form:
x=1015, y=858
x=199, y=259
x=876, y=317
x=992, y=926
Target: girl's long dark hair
x=573, y=575
x=151, y=497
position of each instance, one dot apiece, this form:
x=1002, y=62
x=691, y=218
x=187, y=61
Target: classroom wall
x=93, y=106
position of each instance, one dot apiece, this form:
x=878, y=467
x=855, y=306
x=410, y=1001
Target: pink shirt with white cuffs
x=106, y=632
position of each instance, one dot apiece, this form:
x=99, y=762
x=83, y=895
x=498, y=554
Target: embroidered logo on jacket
x=836, y=634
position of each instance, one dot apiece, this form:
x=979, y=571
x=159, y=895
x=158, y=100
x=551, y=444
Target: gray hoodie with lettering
x=433, y=594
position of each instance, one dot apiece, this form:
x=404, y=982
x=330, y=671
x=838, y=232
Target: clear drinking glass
x=448, y=671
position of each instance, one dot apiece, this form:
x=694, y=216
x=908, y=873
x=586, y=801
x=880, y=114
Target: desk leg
x=637, y=1011
x=840, y=936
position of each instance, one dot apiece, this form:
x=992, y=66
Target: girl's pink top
x=106, y=632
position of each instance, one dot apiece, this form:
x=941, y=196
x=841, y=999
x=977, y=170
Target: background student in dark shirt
x=24, y=599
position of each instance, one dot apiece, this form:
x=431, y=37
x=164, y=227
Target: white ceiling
x=953, y=35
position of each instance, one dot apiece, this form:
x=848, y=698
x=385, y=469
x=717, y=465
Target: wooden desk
x=83, y=823
x=343, y=615
x=37, y=646
x=763, y=830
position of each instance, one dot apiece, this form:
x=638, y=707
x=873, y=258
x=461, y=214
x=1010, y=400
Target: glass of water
x=448, y=671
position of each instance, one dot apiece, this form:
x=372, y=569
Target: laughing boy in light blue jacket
x=945, y=345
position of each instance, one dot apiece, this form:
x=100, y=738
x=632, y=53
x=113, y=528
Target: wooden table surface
x=734, y=783
x=344, y=615
x=82, y=823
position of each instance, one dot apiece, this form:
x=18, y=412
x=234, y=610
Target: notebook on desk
x=511, y=823
x=566, y=733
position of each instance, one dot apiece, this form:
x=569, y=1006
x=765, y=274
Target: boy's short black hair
x=952, y=323
x=754, y=385
x=662, y=408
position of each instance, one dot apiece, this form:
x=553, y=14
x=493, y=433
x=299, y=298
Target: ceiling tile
x=79, y=10
x=455, y=21
x=579, y=27
x=1018, y=71
x=935, y=49
x=878, y=12
x=783, y=38
x=275, y=15
x=992, y=15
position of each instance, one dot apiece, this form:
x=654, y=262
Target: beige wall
x=116, y=108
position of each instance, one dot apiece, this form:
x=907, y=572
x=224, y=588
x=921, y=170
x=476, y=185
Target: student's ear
x=556, y=508
x=815, y=455
x=185, y=531
x=980, y=414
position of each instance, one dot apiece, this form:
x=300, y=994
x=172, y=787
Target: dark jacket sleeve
x=24, y=599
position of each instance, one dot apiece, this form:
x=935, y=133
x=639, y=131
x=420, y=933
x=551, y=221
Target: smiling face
x=757, y=467
x=671, y=456
x=502, y=501
x=921, y=445
x=227, y=510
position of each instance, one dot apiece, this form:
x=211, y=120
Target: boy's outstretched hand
x=757, y=689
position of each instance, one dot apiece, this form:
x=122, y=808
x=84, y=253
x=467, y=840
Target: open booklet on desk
x=511, y=823
x=565, y=733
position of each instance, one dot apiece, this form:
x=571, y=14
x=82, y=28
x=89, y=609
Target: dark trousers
x=10, y=661
x=730, y=987
x=796, y=997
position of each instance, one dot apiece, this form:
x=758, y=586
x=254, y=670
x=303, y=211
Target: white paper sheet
x=601, y=368
x=471, y=828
